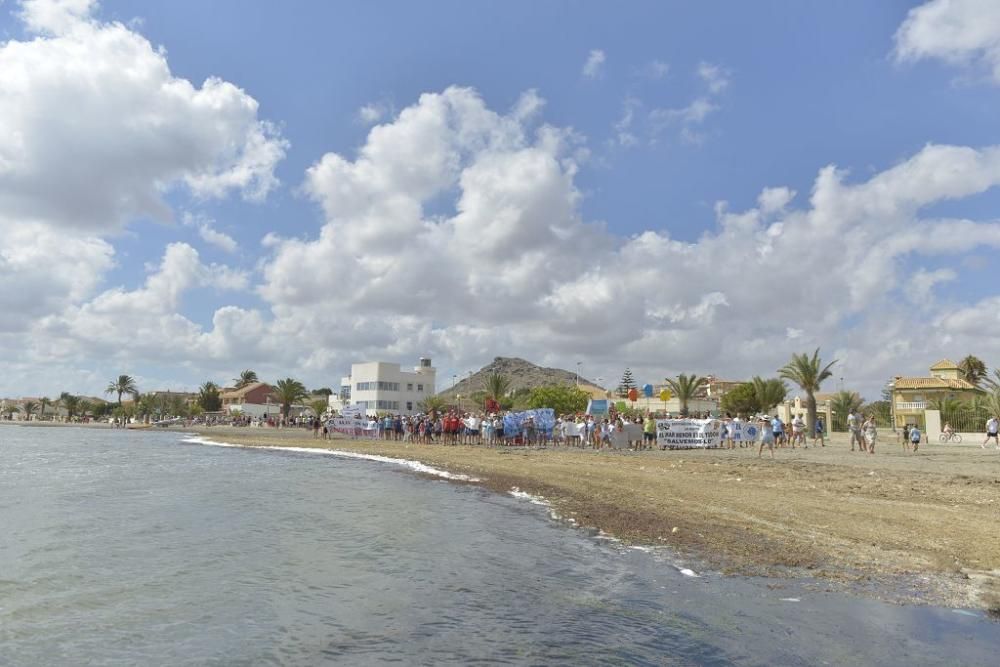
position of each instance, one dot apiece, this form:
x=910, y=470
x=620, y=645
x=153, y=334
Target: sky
x=190, y=189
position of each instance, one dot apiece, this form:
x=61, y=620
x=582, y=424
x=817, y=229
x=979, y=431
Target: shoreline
x=890, y=526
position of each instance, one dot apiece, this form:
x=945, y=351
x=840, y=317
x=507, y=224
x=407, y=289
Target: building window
x=388, y=386
x=409, y=406
x=420, y=387
x=409, y=386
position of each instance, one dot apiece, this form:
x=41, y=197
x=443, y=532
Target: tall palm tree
x=70, y=403
x=43, y=402
x=769, y=392
x=125, y=384
x=992, y=383
x=809, y=373
x=289, y=391
x=496, y=385
x=28, y=408
x=246, y=377
x=973, y=369
x=685, y=387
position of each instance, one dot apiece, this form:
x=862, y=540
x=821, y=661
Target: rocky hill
x=521, y=373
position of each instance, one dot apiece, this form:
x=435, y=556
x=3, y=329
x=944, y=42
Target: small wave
x=416, y=466
x=524, y=495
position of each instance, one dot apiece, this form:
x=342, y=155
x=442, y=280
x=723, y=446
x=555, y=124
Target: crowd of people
x=634, y=431
x=491, y=429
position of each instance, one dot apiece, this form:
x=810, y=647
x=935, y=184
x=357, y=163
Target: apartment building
x=380, y=386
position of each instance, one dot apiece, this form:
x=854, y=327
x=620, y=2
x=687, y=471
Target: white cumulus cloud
x=96, y=128
x=963, y=32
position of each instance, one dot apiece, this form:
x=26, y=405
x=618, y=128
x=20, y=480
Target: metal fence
x=965, y=421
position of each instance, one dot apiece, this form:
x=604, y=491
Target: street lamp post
x=892, y=403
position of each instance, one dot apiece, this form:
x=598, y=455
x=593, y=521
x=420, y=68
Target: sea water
x=126, y=548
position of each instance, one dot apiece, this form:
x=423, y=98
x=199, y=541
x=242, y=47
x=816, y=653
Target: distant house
x=912, y=395
x=254, y=400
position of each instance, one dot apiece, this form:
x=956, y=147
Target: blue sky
x=685, y=106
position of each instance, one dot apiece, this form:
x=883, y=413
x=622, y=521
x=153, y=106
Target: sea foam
x=415, y=466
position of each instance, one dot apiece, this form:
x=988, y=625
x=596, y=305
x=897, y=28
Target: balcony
x=911, y=406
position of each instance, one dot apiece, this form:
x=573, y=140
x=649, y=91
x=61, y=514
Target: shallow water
x=138, y=548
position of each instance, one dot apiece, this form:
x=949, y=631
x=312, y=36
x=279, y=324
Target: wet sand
x=898, y=526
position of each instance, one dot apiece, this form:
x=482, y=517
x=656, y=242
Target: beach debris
x=687, y=572
x=791, y=600
x=674, y=529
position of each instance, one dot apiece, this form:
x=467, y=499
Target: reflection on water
x=136, y=548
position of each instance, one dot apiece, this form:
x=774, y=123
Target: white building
x=379, y=386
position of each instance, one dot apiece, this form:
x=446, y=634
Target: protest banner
x=544, y=420
x=688, y=433
x=741, y=431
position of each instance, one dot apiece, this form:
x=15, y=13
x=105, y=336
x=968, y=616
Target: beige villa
x=911, y=395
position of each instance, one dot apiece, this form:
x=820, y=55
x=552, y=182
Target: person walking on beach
x=854, y=431
x=766, y=436
x=798, y=431
x=870, y=433
x=819, y=432
x=992, y=427
x=914, y=436
x=778, y=430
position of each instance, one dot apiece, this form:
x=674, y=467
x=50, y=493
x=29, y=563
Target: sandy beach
x=921, y=528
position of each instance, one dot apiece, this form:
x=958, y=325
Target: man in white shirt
x=854, y=430
x=992, y=427
x=798, y=431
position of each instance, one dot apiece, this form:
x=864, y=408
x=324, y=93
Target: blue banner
x=543, y=418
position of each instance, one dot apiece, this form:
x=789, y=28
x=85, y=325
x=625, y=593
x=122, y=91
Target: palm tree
x=9, y=409
x=246, y=377
x=43, y=402
x=70, y=403
x=992, y=402
x=845, y=402
x=992, y=383
x=85, y=407
x=125, y=384
x=289, y=391
x=209, y=397
x=28, y=409
x=769, y=392
x=973, y=369
x=433, y=404
x=809, y=373
x=496, y=385
x=949, y=406
x=319, y=406
x=685, y=387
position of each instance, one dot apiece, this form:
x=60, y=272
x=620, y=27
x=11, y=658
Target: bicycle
x=951, y=437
